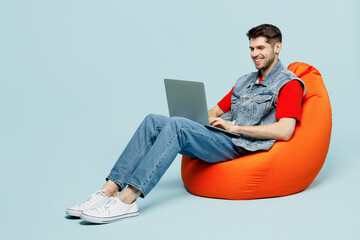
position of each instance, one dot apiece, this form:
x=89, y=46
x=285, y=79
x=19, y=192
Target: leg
x=138, y=146
x=110, y=188
x=141, y=142
x=148, y=155
x=178, y=136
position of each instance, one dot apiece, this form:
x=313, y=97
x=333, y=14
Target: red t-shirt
x=288, y=104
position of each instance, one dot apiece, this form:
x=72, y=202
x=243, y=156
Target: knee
x=182, y=127
x=155, y=119
x=151, y=117
x=178, y=122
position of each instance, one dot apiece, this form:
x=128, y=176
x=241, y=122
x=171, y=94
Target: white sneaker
x=113, y=210
x=96, y=200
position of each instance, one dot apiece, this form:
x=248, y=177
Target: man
x=263, y=107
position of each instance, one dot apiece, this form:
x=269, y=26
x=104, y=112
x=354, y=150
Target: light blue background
x=77, y=77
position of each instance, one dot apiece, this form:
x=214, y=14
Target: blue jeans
x=156, y=143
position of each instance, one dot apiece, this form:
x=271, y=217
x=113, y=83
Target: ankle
x=127, y=199
x=110, y=194
x=129, y=195
x=110, y=188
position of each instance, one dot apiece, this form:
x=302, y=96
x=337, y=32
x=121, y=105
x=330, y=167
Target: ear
x=277, y=47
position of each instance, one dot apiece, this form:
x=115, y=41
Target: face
x=263, y=54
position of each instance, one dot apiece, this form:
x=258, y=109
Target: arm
x=281, y=130
x=223, y=106
x=215, y=112
x=288, y=110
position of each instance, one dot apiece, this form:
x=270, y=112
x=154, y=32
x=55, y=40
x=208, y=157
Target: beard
x=267, y=63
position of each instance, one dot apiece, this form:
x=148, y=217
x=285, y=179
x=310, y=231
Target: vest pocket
x=262, y=105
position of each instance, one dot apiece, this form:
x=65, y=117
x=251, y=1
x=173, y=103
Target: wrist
x=234, y=129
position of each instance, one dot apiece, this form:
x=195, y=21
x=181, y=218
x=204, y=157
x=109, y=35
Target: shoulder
x=289, y=74
x=290, y=77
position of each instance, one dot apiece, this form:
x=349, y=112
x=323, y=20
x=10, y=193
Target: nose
x=254, y=53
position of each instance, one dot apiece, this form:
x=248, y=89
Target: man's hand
x=221, y=123
x=280, y=130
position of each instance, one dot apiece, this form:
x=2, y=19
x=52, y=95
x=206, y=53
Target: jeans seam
x=133, y=166
x=159, y=160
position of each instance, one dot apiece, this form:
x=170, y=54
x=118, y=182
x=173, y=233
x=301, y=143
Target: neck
x=265, y=72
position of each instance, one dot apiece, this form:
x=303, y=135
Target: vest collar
x=275, y=71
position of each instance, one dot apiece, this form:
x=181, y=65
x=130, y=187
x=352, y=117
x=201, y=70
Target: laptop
x=187, y=99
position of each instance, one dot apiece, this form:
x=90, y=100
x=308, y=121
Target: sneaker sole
x=73, y=213
x=93, y=219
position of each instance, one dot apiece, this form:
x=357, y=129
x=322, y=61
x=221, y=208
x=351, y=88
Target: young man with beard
x=263, y=107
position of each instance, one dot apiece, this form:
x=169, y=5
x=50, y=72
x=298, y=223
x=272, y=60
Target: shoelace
x=93, y=197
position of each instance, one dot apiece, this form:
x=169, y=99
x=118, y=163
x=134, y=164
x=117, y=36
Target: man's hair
x=271, y=32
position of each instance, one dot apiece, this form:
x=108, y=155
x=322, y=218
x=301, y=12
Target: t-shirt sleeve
x=289, y=101
x=225, y=103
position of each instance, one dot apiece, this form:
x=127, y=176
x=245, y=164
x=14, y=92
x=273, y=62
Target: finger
x=212, y=120
x=219, y=125
x=217, y=122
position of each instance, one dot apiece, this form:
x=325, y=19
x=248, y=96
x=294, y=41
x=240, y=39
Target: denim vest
x=254, y=103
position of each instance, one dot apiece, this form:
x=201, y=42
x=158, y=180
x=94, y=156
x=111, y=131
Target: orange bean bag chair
x=287, y=168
